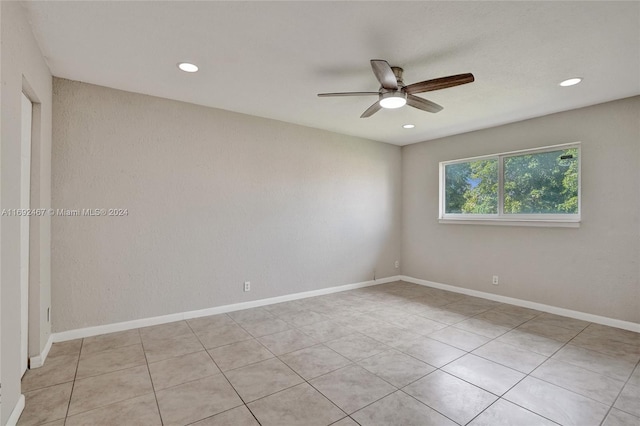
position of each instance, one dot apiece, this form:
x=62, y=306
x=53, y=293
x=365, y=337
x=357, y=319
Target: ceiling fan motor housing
x=397, y=71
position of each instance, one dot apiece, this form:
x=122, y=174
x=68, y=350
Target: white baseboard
x=38, y=360
x=163, y=319
x=612, y=322
x=145, y=322
x=17, y=412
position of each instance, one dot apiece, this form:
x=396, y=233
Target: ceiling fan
x=394, y=94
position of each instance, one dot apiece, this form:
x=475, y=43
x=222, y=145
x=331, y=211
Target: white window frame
x=514, y=219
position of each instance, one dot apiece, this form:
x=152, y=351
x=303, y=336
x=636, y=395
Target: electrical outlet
x=495, y=280
x=397, y=264
x=247, y=286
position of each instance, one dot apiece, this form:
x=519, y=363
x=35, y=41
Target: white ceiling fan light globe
x=392, y=100
x=391, y=103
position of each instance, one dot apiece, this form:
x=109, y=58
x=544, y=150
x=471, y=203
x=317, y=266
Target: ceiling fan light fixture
x=391, y=100
x=394, y=94
x=571, y=82
x=188, y=67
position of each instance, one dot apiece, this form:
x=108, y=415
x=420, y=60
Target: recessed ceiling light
x=571, y=82
x=408, y=126
x=187, y=67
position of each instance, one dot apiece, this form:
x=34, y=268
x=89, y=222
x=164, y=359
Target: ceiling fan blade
x=384, y=74
x=439, y=83
x=371, y=110
x=423, y=104
x=323, y=95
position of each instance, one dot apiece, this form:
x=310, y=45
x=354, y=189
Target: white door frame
x=25, y=195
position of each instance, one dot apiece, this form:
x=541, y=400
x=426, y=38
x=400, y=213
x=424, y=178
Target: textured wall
x=593, y=269
x=23, y=69
x=215, y=199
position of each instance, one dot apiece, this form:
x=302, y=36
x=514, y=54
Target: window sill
x=509, y=222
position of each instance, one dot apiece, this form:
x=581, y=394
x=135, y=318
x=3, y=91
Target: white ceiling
x=270, y=59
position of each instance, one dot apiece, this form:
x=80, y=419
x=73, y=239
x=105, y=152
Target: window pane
x=472, y=187
x=541, y=183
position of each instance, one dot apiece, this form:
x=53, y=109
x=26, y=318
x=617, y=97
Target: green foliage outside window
x=472, y=187
x=535, y=183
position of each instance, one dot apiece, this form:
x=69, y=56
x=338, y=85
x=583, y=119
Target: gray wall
x=23, y=69
x=593, y=269
x=215, y=199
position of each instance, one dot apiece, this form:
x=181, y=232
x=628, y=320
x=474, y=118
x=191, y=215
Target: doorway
x=25, y=195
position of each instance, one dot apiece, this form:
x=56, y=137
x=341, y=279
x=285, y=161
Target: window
x=540, y=186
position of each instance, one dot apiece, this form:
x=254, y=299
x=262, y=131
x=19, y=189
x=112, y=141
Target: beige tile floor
x=392, y=354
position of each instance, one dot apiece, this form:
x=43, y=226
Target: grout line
x=530, y=375
x=153, y=387
x=428, y=406
x=113, y=348
x=47, y=386
x=620, y=393
x=73, y=385
x=244, y=403
x=354, y=420
x=102, y=373
x=480, y=413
